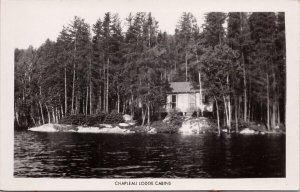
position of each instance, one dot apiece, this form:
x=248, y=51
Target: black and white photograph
x=156, y=96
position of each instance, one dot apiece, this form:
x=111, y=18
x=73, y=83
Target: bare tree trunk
x=245, y=87
x=228, y=105
x=143, y=116
x=33, y=119
x=124, y=106
x=273, y=121
x=59, y=115
x=87, y=100
x=49, y=119
x=90, y=78
x=73, y=89
x=41, y=109
x=218, y=116
x=53, y=115
x=104, y=87
x=76, y=104
x=253, y=108
x=66, y=98
x=91, y=104
x=268, y=103
x=186, y=67
x=56, y=115
x=148, y=109
x=118, y=101
x=17, y=118
x=131, y=108
x=99, y=107
x=278, y=112
x=83, y=108
x=249, y=107
x=236, y=113
x=226, y=111
x=239, y=105
x=229, y=114
x=39, y=120
x=74, y=73
x=224, y=119
x=107, y=85
x=200, y=92
x=61, y=111
x=200, y=87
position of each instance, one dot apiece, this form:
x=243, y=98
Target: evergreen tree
x=242, y=68
x=263, y=33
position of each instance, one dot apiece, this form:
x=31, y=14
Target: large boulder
x=167, y=119
x=124, y=124
x=132, y=123
x=194, y=125
x=127, y=118
x=45, y=128
x=104, y=128
x=189, y=127
x=115, y=130
x=105, y=125
x=152, y=130
x=247, y=131
x=88, y=129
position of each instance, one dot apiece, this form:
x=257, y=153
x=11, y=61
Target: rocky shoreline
x=188, y=126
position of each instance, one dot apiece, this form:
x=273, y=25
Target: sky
x=32, y=22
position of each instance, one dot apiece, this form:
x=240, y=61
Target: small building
x=183, y=98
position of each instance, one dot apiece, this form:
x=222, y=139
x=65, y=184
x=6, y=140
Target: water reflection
x=136, y=155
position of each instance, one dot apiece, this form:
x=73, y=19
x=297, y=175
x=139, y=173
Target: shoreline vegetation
x=97, y=73
x=172, y=124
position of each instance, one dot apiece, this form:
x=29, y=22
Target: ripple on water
x=137, y=156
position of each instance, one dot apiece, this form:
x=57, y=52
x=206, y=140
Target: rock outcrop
x=194, y=125
x=103, y=128
x=127, y=118
x=247, y=131
x=44, y=128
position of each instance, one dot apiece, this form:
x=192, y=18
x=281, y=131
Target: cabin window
x=205, y=99
x=173, y=101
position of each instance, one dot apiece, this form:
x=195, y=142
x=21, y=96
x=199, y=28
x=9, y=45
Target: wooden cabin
x=183, y=98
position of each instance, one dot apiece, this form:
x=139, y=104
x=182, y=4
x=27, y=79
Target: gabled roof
x=181, y=87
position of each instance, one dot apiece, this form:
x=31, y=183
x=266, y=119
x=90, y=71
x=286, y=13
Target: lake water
x=78, y=155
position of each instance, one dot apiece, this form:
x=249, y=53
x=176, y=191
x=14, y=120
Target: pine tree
x=238, y=39
x=263, y=28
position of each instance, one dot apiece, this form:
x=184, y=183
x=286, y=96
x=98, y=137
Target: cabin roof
x=181, y=87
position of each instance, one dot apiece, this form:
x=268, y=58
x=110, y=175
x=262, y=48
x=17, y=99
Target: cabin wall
x=186, y=102
x=182, y=101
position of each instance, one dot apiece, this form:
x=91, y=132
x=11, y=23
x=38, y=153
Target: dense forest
x=237, y=57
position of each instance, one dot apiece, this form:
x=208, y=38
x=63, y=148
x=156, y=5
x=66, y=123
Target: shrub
x=95, y=119
x=73, y=120
x=92, y=120
x=114, y=117
x=163, y=127
x=241, y=124
x=171, y=125
x=175, y=119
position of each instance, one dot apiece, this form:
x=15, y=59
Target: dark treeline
x=238, y=58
